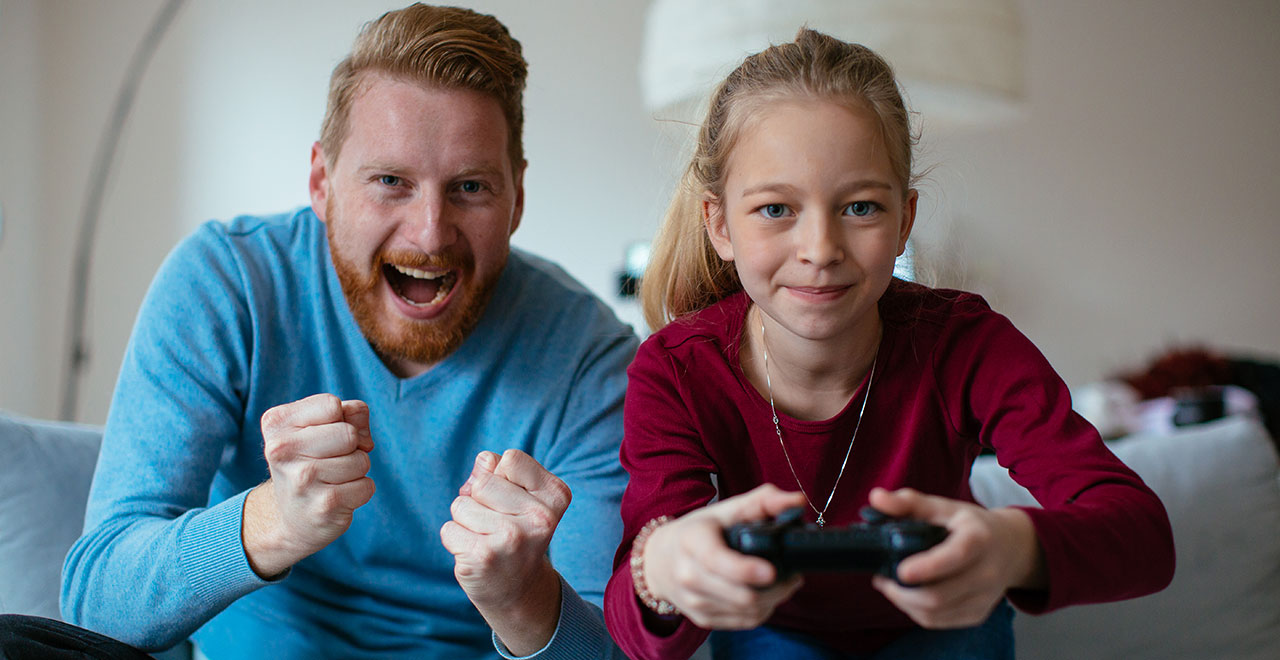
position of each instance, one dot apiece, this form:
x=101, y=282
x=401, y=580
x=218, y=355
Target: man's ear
x=908, y=219
x=319, y=182
x=713, y=221
x=517, y=211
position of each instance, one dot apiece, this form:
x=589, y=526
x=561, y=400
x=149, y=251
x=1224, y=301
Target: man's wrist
x=526, y=623
x=266, y=556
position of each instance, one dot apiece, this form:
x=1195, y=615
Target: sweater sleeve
x=1104, y=534
x=155, y=560
x=670, y=475
x=585, y=456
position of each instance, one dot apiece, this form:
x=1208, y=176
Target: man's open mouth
x=420, y=288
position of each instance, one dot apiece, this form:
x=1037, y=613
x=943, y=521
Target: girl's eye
x=773, y=211
x=861, y=209
x=389, y=180
x=470, y=187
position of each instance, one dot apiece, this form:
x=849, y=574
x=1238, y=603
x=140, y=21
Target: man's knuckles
x=458, y=506
x=306, y=474
x=278, y=450
x=315, y=409
x=323, y=407
x=540, y=522
x=349, y=436
x=275, y=418
x=558, y=495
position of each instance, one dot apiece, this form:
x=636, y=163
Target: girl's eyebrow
x=859, y=184
x=769, y=187
x=863, y=184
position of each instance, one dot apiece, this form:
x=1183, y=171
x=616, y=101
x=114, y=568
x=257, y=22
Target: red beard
x=399, y=338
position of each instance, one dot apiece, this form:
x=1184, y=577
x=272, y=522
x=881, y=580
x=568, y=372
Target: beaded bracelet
x=637, y=568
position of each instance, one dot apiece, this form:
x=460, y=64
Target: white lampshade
x=959, y=61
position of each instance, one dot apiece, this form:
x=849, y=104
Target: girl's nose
x=819, y=240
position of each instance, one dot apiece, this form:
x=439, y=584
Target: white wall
x=1126, y=210
x=1132, y=209
x=21, y=382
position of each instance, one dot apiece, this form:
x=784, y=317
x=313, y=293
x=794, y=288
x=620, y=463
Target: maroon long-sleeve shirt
x=953, y=377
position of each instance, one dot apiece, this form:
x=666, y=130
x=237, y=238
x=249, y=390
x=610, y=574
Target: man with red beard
x=353, y=430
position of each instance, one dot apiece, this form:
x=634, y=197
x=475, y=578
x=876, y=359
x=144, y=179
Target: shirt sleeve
x=155, y=561
x=579, y=634
x=1104, y=534
x=584, y=455
x=670, y=475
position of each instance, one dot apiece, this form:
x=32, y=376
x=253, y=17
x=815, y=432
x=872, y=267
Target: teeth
x=420, y=274
x=440, y=295
x=442, y=289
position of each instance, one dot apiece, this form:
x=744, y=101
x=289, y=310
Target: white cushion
x=1220, y=483
x=45, y=472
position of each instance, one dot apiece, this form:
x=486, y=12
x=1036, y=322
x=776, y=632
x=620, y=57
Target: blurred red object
x=1179, y=369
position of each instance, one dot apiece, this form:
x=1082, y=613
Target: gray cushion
x=1220, y=483
x=44, y=482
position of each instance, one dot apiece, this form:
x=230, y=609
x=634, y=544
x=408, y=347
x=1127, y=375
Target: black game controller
x=794, y=546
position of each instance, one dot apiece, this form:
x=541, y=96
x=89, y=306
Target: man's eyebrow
x=490, y=170
x=400, y=170
x=382, y=168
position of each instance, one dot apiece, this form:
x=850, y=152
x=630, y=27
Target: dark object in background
x=1263, y=379
x=1197, y=369
x=37, y=638
x=634, y=264
x=628, y=285
x=1198, y=405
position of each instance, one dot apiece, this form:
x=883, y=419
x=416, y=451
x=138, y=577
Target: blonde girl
x=790, y=368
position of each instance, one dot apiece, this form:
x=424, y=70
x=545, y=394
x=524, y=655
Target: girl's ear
x=717, y=228
x=908, y=219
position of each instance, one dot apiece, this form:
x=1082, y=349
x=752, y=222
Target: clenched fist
x=317, y=450
x=503, y=520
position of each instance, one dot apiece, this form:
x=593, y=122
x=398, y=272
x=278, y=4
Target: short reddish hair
x=442, y=46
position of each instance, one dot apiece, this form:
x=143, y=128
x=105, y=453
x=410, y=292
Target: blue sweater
x=247, y=315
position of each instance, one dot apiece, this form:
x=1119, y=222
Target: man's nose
x=429, y=223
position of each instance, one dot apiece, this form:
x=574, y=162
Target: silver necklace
x=778, y=428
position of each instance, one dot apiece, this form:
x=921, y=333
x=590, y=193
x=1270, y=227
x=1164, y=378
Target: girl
x=796, y=371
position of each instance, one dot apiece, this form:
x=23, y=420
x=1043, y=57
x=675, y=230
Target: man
x=326, y=422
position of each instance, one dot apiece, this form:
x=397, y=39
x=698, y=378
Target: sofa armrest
x=1220, y=483
x=44, y=484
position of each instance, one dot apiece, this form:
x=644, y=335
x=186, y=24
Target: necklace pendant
x=821, y=522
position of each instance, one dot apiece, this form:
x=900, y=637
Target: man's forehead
x=391, y=116
x=378, y=85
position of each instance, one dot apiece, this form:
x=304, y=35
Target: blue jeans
x=991, y=640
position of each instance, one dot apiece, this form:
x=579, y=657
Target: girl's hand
x=961, y=580
x=688, y=564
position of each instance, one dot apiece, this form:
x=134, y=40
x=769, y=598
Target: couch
x=44, y=483
x=1220, y=482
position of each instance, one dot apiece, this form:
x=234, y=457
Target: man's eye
x=470, y=187
x=861, y=208
x=773, y=210
x=389, y=180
